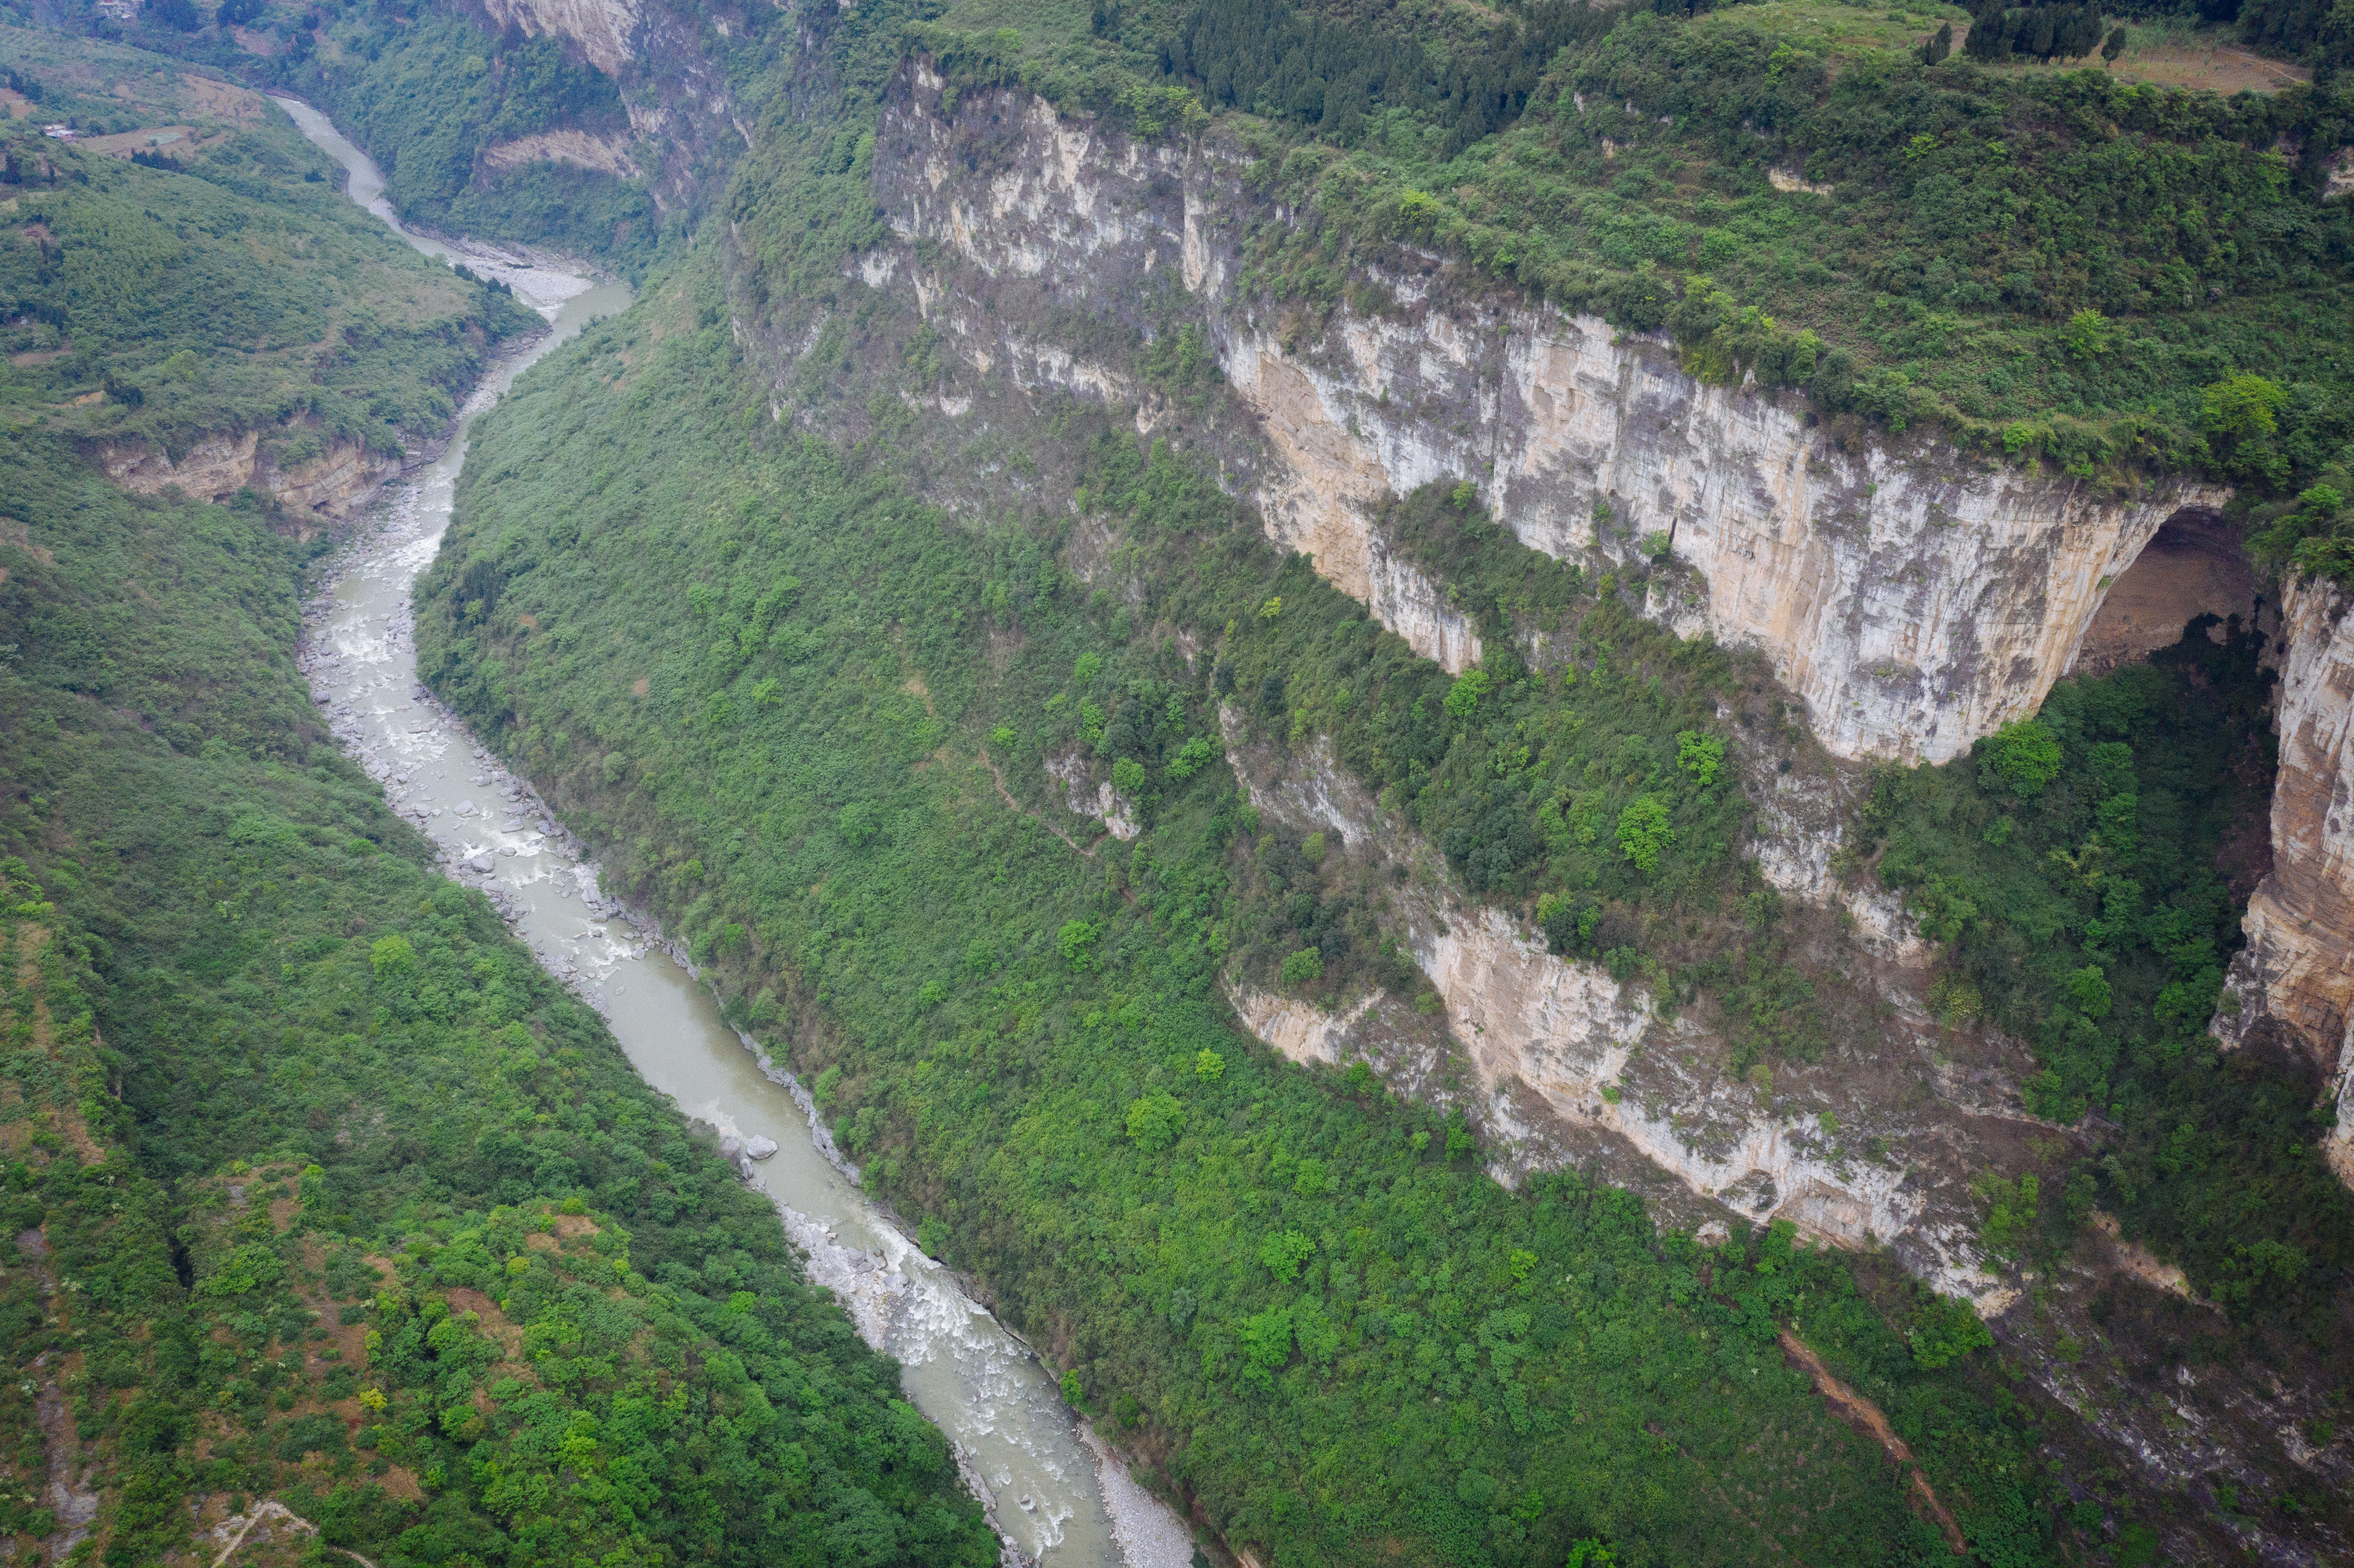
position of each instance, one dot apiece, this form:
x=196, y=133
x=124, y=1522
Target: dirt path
x=1865, y=1417
x=1007, y=796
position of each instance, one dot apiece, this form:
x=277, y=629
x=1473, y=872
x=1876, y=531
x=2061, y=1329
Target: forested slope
x=218, y=286
x=317, y=1192
x=813, y=717
x=788, y=695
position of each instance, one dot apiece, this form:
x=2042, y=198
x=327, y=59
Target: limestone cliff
x=2296, y=973
x=1912, y=596
x=1566, y=1064
x=605, y=30
x=685, y=127
x=334, y=482
x=1915, y=597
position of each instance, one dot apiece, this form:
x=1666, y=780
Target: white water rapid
x=1056, y=1494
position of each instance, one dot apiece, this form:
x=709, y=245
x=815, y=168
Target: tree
x=1947, y=1330
x=1643, y=831
x=1078, y=940
x=1286, y=1252
x=2114, y=47
x=1936, y=49
x=2089, y=334
x=1702, y=756
x=1155, y=1121
x=2021, y=754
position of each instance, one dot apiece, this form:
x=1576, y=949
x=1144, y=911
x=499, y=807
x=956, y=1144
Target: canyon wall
x=335, y=483
x=685, y=127
x=1913, y=595
x=2296, y=976
x=1561, y=1063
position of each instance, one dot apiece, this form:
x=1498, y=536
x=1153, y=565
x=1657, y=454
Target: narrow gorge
x=1516, y=787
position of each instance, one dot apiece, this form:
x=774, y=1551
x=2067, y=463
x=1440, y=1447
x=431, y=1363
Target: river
x=1056, y=1495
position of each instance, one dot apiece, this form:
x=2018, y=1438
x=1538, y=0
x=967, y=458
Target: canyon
x=1910, y=596
x=1025, y=285
x=2295, y=977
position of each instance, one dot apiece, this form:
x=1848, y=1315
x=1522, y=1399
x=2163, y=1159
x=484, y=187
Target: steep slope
x=283, y=982
x=1531, y=893
x=1248, y=1268
x=332, y=1221
x=2296, y=973
x=1913, y=596
x=218, y=318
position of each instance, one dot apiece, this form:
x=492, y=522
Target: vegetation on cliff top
x=2055, y=268
x=790, y=696
x=228, y=288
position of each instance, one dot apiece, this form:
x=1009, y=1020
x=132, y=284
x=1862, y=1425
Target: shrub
x=1156, y=1121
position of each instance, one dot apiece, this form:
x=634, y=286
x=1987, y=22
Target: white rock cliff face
x=1915, y=597
x=1603, y=1069
x=601, y=27
x=215, y=467
x=2297, y=969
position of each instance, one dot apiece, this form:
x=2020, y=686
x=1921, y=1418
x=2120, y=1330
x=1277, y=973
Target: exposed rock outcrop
x=580, y=149
x=1571, y=1065
x=2296, y=973
x=683, y=114
x=337, y=481
x=603, y=29
x=1913, y=596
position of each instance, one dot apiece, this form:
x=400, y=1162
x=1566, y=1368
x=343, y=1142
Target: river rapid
x=1055, y=1494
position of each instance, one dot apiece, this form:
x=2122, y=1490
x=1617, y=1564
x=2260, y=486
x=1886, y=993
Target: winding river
x=1055, y=1494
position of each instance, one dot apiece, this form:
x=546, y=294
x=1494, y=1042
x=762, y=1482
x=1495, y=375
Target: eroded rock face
x=683, y=114
x=340, y=479
x=1571, y=1065
x=1915, y=597
x=581, y=150
x=602, y=28
x=2296, y=973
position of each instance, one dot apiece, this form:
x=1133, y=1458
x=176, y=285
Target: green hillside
x=221, y=285
x=317, y=1190
x=790, y=696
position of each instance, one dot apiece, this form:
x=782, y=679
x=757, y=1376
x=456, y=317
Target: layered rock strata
x=1566, y=1064
x=684, y=125
x=2296, y=973
x=1914, y=596
x=340, y=479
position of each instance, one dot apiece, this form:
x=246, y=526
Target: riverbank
x=1013, y=1437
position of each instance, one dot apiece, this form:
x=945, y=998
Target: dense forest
x=316, y=1188
x=1252, y=1268
x=325, y=1193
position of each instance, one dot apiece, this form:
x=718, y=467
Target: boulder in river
x=760, y=1148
